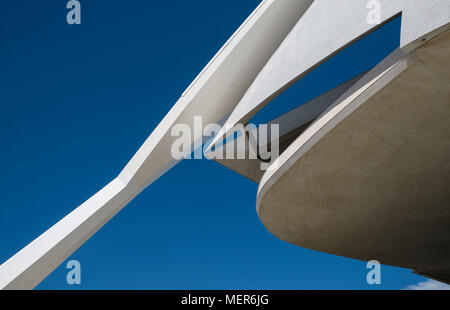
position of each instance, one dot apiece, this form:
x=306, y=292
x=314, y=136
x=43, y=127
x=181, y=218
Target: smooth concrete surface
x=370, y=178
x=325, y=29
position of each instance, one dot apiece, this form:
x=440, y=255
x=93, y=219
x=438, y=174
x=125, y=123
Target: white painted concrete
x=325, y=29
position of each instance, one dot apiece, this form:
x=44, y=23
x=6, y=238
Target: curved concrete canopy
x=370, y=178
x=325, y=29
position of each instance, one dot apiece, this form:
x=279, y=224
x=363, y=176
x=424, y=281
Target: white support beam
x=213, y=95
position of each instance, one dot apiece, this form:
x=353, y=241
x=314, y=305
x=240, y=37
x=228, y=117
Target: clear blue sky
x=76, y=102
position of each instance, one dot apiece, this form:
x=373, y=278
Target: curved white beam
x=213, y=95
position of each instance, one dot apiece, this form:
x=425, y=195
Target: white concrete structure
x=370, y=178
x=278, y=44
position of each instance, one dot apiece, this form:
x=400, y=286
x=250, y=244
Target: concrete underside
x=377, y=184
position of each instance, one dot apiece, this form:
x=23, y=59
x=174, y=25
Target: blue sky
x=76, y=102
